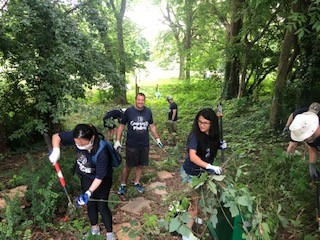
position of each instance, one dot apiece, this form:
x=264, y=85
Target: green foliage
x=303, y=22
x=16, y=181
x=43, y=200
x=16, y=222
x=2, y=187
x=114, y=201
x=46, y=59
x=269, y=189
x=105, y=96
x=214, y=193
x=274, y=177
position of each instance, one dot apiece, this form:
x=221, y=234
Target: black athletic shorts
x=137, y=157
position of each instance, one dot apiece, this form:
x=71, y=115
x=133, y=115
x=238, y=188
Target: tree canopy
x=52, y=51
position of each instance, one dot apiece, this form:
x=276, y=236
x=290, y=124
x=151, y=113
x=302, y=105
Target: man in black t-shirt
x=172, y=115
x=139, y=120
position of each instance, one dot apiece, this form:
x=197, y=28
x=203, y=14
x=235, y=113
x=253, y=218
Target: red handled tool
x=60, y=175
x=62, y=182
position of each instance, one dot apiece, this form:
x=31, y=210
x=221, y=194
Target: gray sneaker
x=93, y=231
x=122, y=190
x=111, y=237
x=139, y=187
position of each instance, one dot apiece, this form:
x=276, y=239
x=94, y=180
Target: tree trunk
x=120, y=87
x=188, y=37
x=182, y=67
x=232, y=80
x=3, y=146
x=243, y=82
x=283, y=69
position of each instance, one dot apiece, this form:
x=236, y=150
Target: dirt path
x=159, y=185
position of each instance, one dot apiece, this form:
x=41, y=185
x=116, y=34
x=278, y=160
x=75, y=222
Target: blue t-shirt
x=84, y=165
x=137, y=122
x=190, y=167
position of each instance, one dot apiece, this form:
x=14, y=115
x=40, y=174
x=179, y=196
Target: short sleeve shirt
x=299, y=111
x=137, y=122
x=84, y=165
x=114, y=114
x=171, y=107
x=190, y=167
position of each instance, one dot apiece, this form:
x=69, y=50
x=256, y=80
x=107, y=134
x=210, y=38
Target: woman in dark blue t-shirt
x=96, y=177
x=203, y=144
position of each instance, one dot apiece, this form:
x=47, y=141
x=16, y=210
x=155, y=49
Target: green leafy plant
x=15, y=221
x=16, y=180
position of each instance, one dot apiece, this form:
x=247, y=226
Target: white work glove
x=223, y=145
x=117, y=145
x=159, y=143
x=214, y=169
x=54, y=155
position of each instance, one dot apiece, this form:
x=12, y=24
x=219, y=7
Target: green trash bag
x=227, y=228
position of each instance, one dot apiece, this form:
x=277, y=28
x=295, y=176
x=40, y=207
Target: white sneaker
x=198, y=220
x=93, y=231
x=111, y=236
x=190, y=237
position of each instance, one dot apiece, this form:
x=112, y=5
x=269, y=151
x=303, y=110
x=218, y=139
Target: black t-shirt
x=84, y=165
x=137, y=122
x=302, y=110
x=114, y=114
x=171, y=107
x=299, y=111
x=190, y=167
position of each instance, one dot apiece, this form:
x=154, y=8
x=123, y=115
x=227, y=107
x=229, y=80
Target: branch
x=223, y=19
x=266, y=26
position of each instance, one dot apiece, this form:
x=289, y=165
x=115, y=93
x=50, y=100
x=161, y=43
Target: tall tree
x=180, y=17
x=289, y=53
x=46, y=59
x=258, y=19
x=232, y=68
x=286, y=59
x=121, y=46
x=120, y=89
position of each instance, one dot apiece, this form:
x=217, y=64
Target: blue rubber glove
x=83, y=199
